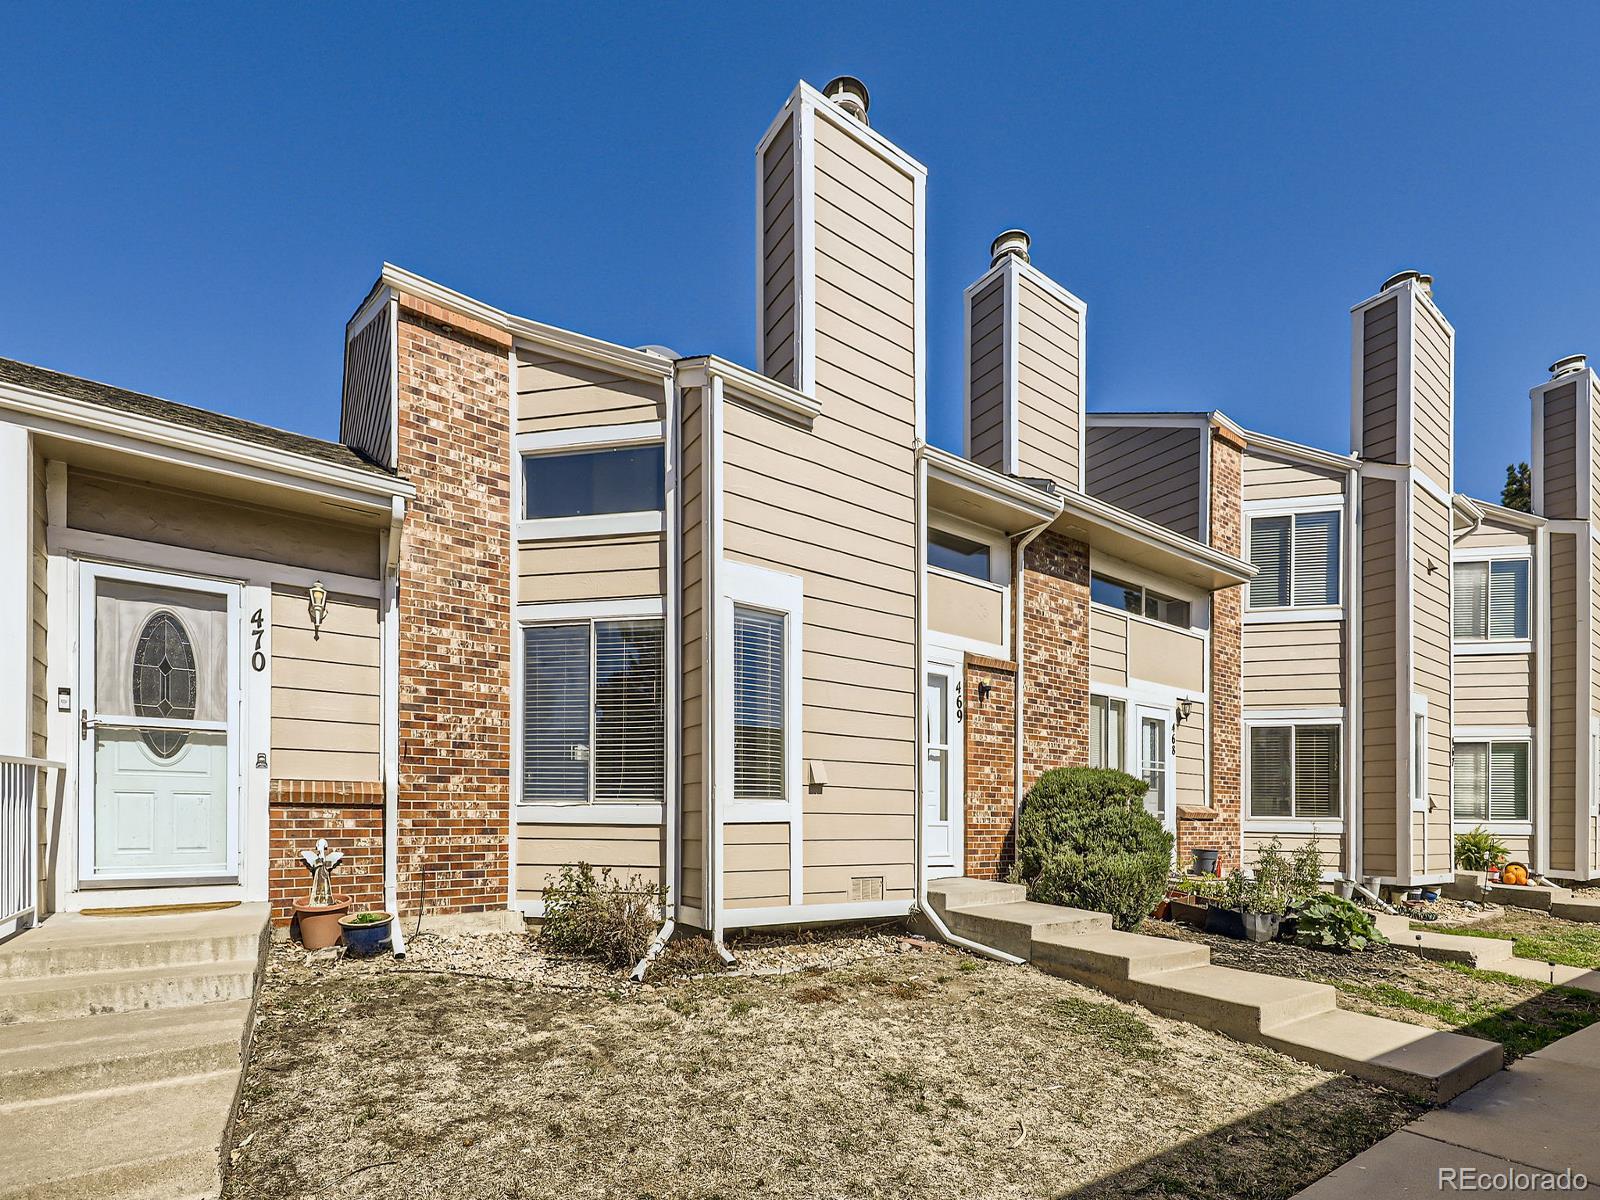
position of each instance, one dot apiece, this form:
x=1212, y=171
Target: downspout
x=391, y=723
x=1353, y=727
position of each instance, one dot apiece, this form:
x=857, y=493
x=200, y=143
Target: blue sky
x=195, y=198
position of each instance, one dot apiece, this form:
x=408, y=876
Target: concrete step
x=1238, y=1003
x=1014, y=926
x=1425, y=1063
x=1553, y=973
x=72, y=944
x=1576, y=908
x=1483, y=952
x=1529, y=895
x=1111, y=960
x=961, y=892
x=58, y=997
x=150, y=1142
x=44, y=1060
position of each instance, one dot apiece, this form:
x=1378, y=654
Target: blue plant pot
x=364, y=939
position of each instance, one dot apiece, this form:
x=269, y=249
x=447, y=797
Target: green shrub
x=1479, y=850
x=596, y=916
x=1333, y=923
x=1276, y=881
x=1084, y=840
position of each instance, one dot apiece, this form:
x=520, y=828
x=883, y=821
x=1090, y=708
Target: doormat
x=158, y=910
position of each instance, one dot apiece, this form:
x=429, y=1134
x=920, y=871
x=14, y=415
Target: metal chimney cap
x=1570, y=365
x=850, y=94
x=1012, y=241
x=1425, y=282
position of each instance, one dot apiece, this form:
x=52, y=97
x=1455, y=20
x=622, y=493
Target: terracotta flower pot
x=319, y=923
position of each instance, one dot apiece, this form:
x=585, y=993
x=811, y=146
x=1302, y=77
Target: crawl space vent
x=866, y=887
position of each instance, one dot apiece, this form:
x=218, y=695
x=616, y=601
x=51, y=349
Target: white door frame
x=90, y=573
x=1138, y=711
x=952, y=665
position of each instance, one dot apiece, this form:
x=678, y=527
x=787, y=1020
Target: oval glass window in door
x=165, y=681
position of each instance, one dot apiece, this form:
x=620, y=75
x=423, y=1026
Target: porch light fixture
x=1185, y=709
x=318, y=603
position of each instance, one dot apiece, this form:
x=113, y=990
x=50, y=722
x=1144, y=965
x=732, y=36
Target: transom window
x=1106, y=718
x=1491, y=600
x=1294, y=771
x=1490, y=781
x=592, y=713
x=1296, y=557
x=952, y=552
x=1139, y=600
x=630, y=479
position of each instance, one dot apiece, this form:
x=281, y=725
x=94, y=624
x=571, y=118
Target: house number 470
x=258, y=632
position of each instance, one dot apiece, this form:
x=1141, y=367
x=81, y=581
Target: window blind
x=1508, y=781
x=1269, y=554
x=629, y=746
x=1471, y=603
x=1316, y=558
x=1316, y=771
x=758, y=707
x=555, y=714
x=1508, y=599
x=1105, y=732
x=1270, y=772
x=1470, y=791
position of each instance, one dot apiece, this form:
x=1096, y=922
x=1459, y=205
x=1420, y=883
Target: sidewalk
x=1536, y=1116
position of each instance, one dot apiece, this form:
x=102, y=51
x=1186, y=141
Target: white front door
x=1155, y=763
x=158, y=697
x=942, y=773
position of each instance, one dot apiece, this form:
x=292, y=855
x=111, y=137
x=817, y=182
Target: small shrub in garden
x=596, y=916
x=1480, y=850
x=1084, y=840
x=1334, y=923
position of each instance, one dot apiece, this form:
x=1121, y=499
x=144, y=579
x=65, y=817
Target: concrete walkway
x=121, y=1046
x=1538, y=1116
x=1176, y=979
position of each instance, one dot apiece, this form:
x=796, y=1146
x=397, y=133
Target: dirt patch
x=907, y=1074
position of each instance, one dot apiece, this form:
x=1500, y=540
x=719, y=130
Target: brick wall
x=454, y=804
x=1055, y=680
x=989, y=733
x=348, y=815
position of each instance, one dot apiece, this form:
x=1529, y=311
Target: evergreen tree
x=1518, y=492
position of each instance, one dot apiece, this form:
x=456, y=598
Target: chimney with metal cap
x=1570, y=365
x=1011, y=242
x=850, y=94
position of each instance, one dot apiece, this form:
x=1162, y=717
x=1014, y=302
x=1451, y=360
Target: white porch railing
x=20, y=781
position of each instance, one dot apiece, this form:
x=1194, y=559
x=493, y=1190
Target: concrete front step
x=1238, y=1003
x=1553, y=973
x=44, y=1060
x=58, y=997
x=1013, y=926
x=1529, y=895
x=1112, y=961
x=961, y=892
x=1425, y=1063
x=151, y=1142
x=71, y=944
x=1484, y=952
x=1576, y=908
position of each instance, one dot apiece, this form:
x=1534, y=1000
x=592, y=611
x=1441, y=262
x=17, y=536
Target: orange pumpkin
x=1515, y=874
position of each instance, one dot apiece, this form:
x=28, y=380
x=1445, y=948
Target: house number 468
x=258, y=632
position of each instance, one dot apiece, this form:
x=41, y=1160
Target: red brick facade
x=349, y=815
x=454, y=443
x=1055, y=656
x=989, y=732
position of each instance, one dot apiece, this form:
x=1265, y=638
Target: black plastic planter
x=1226, y=921
x=1204, y=862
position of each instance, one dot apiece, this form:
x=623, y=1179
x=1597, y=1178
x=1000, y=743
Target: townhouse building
x=741, y=631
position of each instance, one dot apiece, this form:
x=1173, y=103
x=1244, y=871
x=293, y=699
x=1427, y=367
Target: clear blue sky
x=194, y=199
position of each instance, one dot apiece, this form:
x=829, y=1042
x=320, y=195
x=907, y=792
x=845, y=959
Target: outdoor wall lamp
x=1185, y=709
x=318, y=603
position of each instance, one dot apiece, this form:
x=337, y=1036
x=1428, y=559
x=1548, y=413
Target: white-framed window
x=1108, y=719
x=1296, y=556
x=1489, y=781
x=1140, y=600
x=593, y=482
x=759, y=664
x=1491, y=600
x=962, y=555
x=1294, y=770
x=593, y=712
x=1419, y=753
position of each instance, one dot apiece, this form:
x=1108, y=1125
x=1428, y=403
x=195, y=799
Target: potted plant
x=1203, y=861
x=1190, y=901
x=365, y=933
x=1253, y=906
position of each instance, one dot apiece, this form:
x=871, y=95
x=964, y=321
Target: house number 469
x=258, y=632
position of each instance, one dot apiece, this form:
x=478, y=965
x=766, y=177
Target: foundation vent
x=866, y=887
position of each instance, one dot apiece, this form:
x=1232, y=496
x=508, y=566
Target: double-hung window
x=1106, y=720
x=593, y=713
x=1296, y=556
x=1294, y=771
x=1490, y=781
x=1491, y=600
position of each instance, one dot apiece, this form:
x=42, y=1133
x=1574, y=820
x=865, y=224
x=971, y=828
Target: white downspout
x=391, y=723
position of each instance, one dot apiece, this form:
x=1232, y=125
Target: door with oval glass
x=158, y=697
x=1155, y=764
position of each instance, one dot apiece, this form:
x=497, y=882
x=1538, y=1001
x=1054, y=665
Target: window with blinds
x=1296, y=557
x=1490, y=781
x=1294, y=771
x=593, y=713
x=1491, y=600
x=758, y=705
x=1106, y=717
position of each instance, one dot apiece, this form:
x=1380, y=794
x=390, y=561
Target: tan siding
x=781, y=254
x=1430, y=631
x=554, y=394
x=1294, y=665
x=1189, y=758
x=628, y=851
x=1380, y=396
x=1329, y=846
x=1108, y=648
x=1564, y=748
x=691, y=843
x=326, y=689
x=619, y=567
x=1379, y=780
x=986, y=417
x=1432, y=426
x=1049, y=385
x=1494, y=689
x=1267, y=478
x=1493, y=535
x=1157, y=654
x=125, y=508
x=1153, y=471
x=966, y=608
x=1594, y=629
x=1560, y=466
x=755, y=864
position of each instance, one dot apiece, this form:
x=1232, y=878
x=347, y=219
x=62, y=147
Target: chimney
x=850, y=94
x=1024, y=368
x=1565, y=412
x=1403, y=367
x=1570, y=365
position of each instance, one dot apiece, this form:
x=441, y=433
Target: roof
x=72, y=387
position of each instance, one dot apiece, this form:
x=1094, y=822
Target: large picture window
x=1294, y=771
x=1296, y=557
x=593, y=728
x=1491, y=600
x=592, y=482
x=1491, y=781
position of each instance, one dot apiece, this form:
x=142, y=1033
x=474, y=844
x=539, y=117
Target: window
x=1491, y=600
x=165, y=682
x=1139, y=600
x=1419, y=754
x=592, y=713
x=1294, y=771
x=1106, y=718
x=758, y=705
x=1297, y=560
x=1491, y=781
x=594, y=481
x=952, y=552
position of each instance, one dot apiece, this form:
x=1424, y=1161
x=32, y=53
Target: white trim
x=592, y=525
x=805, y=276
x=672, y=650
x=1489, y=646
x=1491, y=733
x=566, y=610
x=1541, y=670
x=1508, y=828
x=934, y=640
x=952, y=665
x=16, y=601
x=1323, y=612
x=1264, y=445
x=591, y=437
x=1405, y=409
x=1290, y=615
x=599, y=812
x=815, y=914
x=1418, y=756
x=1291, y=719
x=1010, y=354
x=1289, y=716
x=1315, y=826
x=1465, y=554
x=1354, y=797
x=1286, y=505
